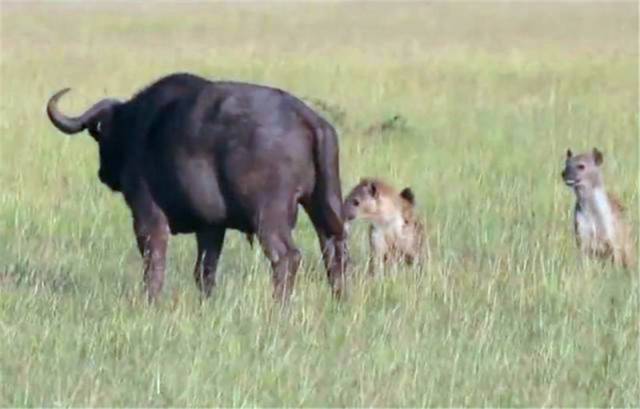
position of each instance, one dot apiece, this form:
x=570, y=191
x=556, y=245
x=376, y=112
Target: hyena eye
x=581, y=167
x=356, y=202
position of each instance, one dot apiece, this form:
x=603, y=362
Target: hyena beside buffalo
x=396, y=233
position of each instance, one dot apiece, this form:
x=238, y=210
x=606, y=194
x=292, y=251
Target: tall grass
x=504, y=314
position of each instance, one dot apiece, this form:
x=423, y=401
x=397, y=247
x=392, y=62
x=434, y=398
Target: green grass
x=504, y=314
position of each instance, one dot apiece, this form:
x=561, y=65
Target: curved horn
x=72, y=125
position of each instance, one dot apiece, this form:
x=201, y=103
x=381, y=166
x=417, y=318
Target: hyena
x=599, y=224
x=395, y=233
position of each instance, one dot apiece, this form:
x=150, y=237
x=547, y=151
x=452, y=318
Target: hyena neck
x=591, y=198
x=390, y=221
x=595, y=205
x=587, y=194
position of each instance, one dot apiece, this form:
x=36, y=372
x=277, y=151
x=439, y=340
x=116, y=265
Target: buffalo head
x=100, y=121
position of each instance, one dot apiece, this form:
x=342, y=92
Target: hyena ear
x=569, y=154
x=597, y=157
x=366, y=182
x=373, y=189
x=407, y=194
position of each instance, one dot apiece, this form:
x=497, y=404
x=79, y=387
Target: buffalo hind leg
x=279, y=248
x=333, y=245
x=152, y=237
x=209, y=248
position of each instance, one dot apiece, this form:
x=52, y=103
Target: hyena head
x=363, y=201
x=375, y=201
x=583, y=170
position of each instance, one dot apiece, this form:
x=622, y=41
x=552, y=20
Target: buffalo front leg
x=152, y=238
x=209, y=248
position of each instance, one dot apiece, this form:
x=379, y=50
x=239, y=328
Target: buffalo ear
x=597, y=157
x=407, y=194
x=569, y=154
x=95, y=129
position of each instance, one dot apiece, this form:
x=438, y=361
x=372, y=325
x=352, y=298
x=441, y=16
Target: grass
x=504, y=314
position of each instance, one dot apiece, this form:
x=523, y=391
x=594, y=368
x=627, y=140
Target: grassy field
x=491, y=95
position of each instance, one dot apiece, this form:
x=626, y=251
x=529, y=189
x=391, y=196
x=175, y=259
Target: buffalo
x=190, y=155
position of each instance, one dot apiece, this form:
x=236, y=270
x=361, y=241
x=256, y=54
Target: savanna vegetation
x=488, y=96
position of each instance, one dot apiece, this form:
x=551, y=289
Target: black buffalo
x=196, y=156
